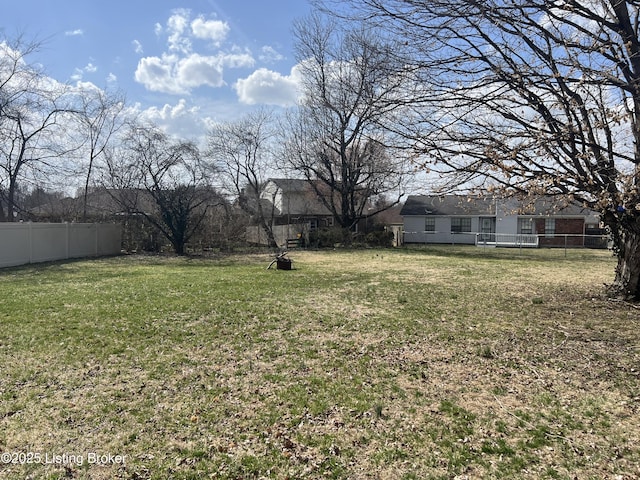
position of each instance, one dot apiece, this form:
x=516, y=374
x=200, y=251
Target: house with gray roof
x=496, y=221
x=295, y=201
x=295, y=211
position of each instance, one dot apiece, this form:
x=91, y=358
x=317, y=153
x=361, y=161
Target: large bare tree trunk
x=627, y=280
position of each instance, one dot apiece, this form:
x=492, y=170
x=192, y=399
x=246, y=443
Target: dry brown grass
x=444, y=363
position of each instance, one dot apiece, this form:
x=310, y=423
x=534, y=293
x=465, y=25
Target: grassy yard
x=441, y=363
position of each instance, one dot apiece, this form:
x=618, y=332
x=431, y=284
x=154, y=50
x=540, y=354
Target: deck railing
x=507, y=240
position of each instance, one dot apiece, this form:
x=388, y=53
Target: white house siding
x=414, y=231
x=506, y=219
x=272, y=193
x=293, y=198
x=504, y=215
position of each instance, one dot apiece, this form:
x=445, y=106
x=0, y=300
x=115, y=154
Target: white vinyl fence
x=22, y=243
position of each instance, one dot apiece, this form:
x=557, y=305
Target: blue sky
x=181, y=63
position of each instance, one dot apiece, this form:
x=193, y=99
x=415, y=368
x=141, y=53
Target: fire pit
x=282, y=262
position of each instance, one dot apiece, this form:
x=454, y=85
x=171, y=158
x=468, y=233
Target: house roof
x=556, y=206
x=291, y=184
x=449, y=205
x=460, y=205
x=391, y=216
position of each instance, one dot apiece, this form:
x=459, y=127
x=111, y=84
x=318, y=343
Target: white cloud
x=87, y=86
x=238, y=60
x=176, y=28
x=214, y=30
x=158, y=74
x=270, y=55
x=269, y=88
x=179, y=119
x=179, y=75
x=137, y=47
x=78, y=73
x=170, y=112
x=197, y=70
x=74, y=33
x=180, y=69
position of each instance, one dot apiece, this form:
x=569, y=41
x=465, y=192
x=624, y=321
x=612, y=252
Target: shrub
x=379, y=238
x=326, y=237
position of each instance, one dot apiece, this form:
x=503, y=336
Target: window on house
x=525, y=226
x=460, y=224
x=328, y=222
x=549, y=227
x=429, y=224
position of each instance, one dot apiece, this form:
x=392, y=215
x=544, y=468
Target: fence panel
x=22, y=243
x=109, y=237
x=15, y=244
x=48, y=242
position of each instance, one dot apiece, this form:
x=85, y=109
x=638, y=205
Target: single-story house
x=496, y=221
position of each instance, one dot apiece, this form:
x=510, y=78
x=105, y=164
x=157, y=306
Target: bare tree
x=537, y=98
x=166, y=181
x=31, y=140
x=15, y=72
x=101, y=116
x=242, y=151
x=341, y=138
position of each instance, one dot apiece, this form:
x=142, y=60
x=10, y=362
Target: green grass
x=413, y=363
